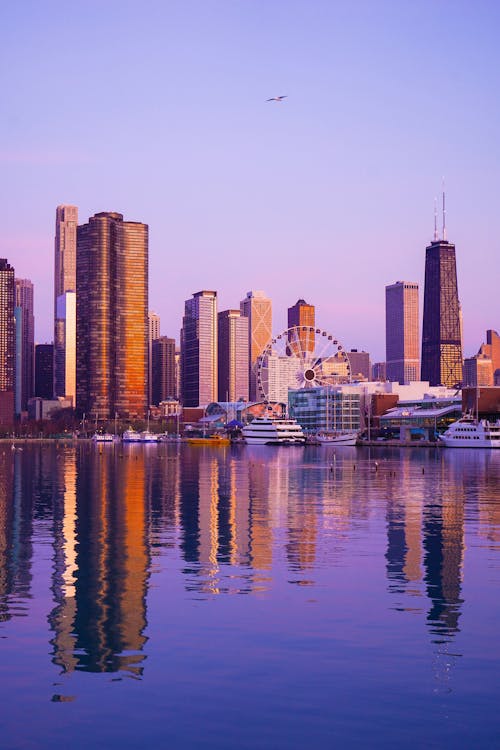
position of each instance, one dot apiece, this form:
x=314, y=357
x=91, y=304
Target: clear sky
x=157, y=110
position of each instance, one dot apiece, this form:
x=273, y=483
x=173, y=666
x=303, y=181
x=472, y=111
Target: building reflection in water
x=101, y=561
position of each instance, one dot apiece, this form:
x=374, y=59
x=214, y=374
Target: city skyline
x=252, y=194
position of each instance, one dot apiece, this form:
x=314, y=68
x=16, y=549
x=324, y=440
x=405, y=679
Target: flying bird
x=276, y=99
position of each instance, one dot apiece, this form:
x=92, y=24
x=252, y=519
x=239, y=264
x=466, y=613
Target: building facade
x=302, y=315
x=442, y=330
x=153, y=334
x=44, y=370
x=163, y=370
x=199, y=350
x=65, y=347
x=64, y=281
x=327, y=408
x=25, y=343
x=401, y=332
x=232, y=348
x=259, y=311
x=112, y=317
x=360, y=365
x=7, y=341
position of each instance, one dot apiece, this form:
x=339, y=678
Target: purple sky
x=157, y=110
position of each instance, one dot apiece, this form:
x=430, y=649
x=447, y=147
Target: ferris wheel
x=301, y=357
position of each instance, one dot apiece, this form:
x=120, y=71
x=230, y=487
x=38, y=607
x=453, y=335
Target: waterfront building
x=278, y=377
x=401, y=332
x=484, y=368
x=65, y=347
x=199, y=349
x=7, y=341
x=163, y=370
x=330, y=408
x=44, y=370
x=360, y=365
x=258, y=309
x=25, y=343
x=232, y=345
x=442, y=329
x=153, y=335
x=112, y=322
x=302, y=315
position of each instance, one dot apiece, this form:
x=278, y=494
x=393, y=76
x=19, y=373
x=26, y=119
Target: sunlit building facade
x=302, y=315
x=64, y=281
x=401, y=332
x=259, y=311
x=232, y=356
x=65, y=347
x=112, y=317
x=199, y=350
x=441, y=334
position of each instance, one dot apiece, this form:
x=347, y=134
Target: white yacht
x=471, y=433
x=337, y=438
x=270, y=431
x=148, y=437
x=103, y=437
x=131, y=436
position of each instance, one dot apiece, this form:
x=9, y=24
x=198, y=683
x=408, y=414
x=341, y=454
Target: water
x=249, y=597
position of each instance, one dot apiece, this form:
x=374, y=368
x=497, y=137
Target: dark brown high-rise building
x=112, y=316
x=163, y=369
x=44, y=370
x=7, y=341
x=302, y=315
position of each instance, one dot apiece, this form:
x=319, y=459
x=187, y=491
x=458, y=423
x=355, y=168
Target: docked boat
x=103, y=437
x=148, y=437
x=213, y=440
x=337, y=438
x=131, y=436
x=268, y=431
x=471, y=433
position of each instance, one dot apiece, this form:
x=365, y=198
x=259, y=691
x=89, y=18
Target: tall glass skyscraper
x=259, y=311
x=112, y=316
x=25, y=343
x=199, y=350
x=233, y=356
x=64, y=307
x=7, y=341
x=402, y=348
x=441, y=334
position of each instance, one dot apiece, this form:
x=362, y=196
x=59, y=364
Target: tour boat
x=337, y=438
x=471, y=433
x=103, y=437
x=131, y=436
x=209, y=440
x=268, y=431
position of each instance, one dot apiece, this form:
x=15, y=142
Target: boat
x=103, y=437
x=148, y=437
x=469, y=432
x=131, y=436
x=212, y=440
x=337, y=438
x=269, y=431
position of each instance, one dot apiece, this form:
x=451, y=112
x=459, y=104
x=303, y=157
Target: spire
x=444, y=214
x=436, y=220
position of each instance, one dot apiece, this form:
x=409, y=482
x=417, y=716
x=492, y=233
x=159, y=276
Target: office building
x=258, y=309
x=153, y=334
x=163, y=370
x=112, y=317
x=232, y=356
x=401, y=332
x=442, y=328
x=44, y=370
x=199, y=350
x=65, y=347
x=379, y=371
x=359, y=362
x=7, y=341
x=25, y=344
x=302, y=315
x=478, y=371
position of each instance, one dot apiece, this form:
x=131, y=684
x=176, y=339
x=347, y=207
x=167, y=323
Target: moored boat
x=103, y=437
x=269, y=431
x=213, y=440
x=471, y=433
x=337, y=438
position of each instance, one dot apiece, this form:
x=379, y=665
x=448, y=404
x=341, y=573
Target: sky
x=158, y=110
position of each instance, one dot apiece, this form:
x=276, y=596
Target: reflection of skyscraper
x=401, y=332
x=232, y=349
x=112, y=307
x=441, y=335
x=302, y=314
x=199, y=349
x=258, y=309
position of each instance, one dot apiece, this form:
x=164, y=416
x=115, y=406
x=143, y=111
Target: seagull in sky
x=276, y=98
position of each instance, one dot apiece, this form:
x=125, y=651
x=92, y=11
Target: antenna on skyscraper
x=444, y=214
x=435, y=220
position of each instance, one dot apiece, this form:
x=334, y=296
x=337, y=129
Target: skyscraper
x=303, y=315
x=401, y=332
x=7, y=341
x=44, y=370
x=153, y=334
x=258, y=309
x=199, y=349
x=65, y=308
x=441, y=334
x=112, y=316
x=25, y=343
x=232, y=356
x=163, y=370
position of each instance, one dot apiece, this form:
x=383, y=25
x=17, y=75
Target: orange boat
x=209, y=440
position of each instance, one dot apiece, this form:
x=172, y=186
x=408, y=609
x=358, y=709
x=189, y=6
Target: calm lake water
x=249, y=597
